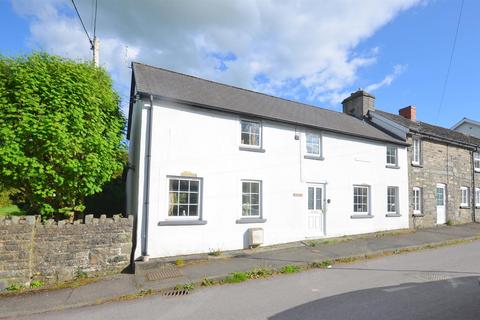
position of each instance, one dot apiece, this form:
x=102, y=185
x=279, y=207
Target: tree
x=61, y=131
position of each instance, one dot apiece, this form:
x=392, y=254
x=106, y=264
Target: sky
x=316, y=52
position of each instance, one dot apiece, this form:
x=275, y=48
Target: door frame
x=323, y=230
x=444, y=187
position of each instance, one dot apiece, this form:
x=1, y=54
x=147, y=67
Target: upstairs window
x=464, y=196
x=313, y=144
x=476, y=161
x=392, y=156
x=416, y=151
x=251, y=133
x=417, y=200
x=184, y=197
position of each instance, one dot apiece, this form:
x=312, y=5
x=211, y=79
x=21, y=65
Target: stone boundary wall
x=60, y=251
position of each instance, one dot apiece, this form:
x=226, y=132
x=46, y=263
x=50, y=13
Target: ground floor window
x=417, y=200
x=464, y=195
x=184, y=197
x=361, y=195
x=392, y=200
x=251, y=198
x=477, y=197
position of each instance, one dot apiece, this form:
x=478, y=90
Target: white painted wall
x=207, y=143
x=470, y=129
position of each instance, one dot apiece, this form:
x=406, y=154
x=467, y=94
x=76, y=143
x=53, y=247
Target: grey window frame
x=368, y=198
x=476, y=161
x=198, y=216
x=260, y=134
x=309, y=154
x=395, y=163
x=260, y=199
x=396, y=200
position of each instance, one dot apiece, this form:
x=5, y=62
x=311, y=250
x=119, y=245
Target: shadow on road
x=454, y=298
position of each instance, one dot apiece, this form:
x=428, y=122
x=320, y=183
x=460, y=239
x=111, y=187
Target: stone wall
x=63, y=250
x=441, y=163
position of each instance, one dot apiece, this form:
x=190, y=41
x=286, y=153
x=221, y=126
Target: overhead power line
x=452, y=53
x=81, y=21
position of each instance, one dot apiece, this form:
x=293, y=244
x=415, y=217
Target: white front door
x=441, y=196
x=315, y=211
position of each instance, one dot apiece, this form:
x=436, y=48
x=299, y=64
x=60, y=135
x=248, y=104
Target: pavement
x=440, y=284
x=157, y=275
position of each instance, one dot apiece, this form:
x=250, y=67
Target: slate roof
x=429, y=129
x=208, y=94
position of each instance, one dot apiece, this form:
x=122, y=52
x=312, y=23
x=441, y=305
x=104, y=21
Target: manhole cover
x=165, y=272
x=176, y=293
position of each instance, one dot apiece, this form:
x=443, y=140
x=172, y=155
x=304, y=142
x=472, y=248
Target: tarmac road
x=433, y=284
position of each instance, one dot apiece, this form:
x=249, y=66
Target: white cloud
x=296, y=49
x=397, y=70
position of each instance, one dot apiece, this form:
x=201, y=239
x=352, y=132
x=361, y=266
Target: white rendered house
x=214, y=167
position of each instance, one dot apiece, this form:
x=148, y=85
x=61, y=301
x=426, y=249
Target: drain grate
x=176, y=293
x=165, y=272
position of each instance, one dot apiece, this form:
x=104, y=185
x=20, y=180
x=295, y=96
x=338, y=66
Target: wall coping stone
x=89, y=219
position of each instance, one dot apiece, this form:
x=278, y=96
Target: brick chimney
x=409, y=112
x=359, y=103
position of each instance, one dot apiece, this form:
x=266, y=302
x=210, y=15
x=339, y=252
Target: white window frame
x=355, y=204
x=260, y=137
x=417, y=200
x=477, y=197
x=464, y=197
x=476, y=161
x=319, y=136
x=259, y=182
x=416, y=151
x=199, y=199
x=396, y=202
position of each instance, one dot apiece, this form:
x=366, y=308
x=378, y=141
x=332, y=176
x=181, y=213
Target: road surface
x=434, y=284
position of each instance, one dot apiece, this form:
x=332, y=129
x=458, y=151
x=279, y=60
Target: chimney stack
x=359, y=103
x=409, y=112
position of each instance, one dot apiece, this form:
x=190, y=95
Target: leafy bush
x=236, y=277
x=37, y=284
x=61, y=132
x=15, y=287
x=290, y=268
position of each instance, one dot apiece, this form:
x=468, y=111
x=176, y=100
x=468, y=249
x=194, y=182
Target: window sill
x=250, y=220
x=311, y=157
x=477, y=170
x=417, y=165
x=393, y=215
x=465, y=207
x=391, y=166
x=182, y=222
x=418, y=215
x=361, y=216
x=252, y=149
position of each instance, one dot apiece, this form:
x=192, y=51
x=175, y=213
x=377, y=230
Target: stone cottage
x=444, y=166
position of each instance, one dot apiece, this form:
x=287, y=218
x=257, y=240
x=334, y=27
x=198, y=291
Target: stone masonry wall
x=60, y=251
x=446, y=164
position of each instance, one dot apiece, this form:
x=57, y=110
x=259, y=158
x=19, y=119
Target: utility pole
x=96, y=51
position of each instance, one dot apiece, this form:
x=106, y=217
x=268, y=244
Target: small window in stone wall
x=417, y=200
x=464, y=196
x=477, y=197
x=416, y=151
x=476, y=161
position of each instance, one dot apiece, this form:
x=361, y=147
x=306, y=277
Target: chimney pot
x=409, y=112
